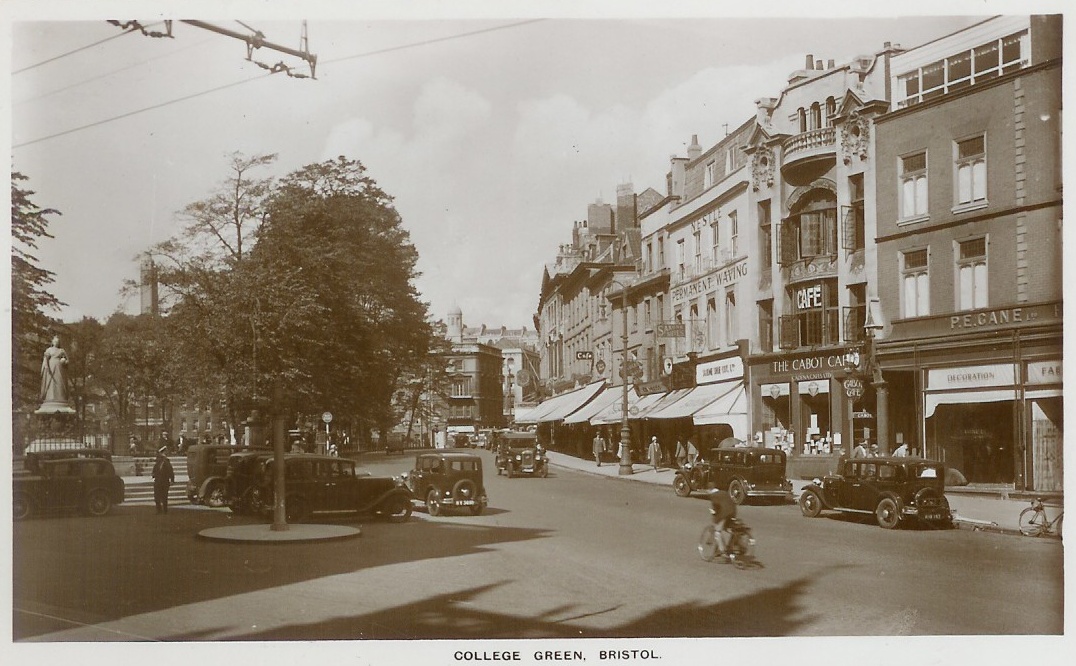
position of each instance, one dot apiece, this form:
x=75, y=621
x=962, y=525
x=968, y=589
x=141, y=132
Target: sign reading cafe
x=709, y=283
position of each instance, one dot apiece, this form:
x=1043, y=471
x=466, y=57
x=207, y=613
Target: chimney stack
x=830, y=64
x=810, y=62
x=818, y=64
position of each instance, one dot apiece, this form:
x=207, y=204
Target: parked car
x=89, y=485
x=890, y=489
x=745, y=473
x=207, y=467
x=519, y=453
x=448, y=479
x=241, y=480
x=28, y=463
x=319, y=484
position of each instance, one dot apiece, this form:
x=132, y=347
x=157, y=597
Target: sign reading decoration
x=969, y=377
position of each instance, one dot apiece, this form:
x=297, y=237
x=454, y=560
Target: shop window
x=971, y=170
x=913, y=185
x=915, y=283
x=972, y=276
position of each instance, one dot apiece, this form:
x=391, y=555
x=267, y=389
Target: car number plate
x=465, y=502
x=932, y=516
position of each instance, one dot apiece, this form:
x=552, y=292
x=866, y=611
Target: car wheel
x=465, y=489
x=681, y=486
x=736, y=490
x=708, y=543
x=22, y=506
x=397, y=509
x=810, y=504
x=98, y=503
x=887, y=513
x=296, y=508
x=433, y=503
x=214, y=495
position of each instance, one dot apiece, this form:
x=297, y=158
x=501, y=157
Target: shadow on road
x=779, y=611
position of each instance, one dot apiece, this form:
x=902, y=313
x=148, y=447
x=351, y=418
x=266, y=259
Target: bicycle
x=741, y=545
x=1033, y=521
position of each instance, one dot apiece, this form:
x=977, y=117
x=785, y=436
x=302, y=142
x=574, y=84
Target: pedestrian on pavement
x=692, y=452
x=599, y=448
x=163, y=478
x=654, y=452
x=681, y=453
x=901, y=452
x=860, y=451
x=875, y=453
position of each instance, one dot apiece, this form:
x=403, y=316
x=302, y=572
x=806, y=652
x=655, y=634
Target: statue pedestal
x=55, y=407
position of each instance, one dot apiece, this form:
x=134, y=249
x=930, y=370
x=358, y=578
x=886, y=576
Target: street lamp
x=872, y=325
x=625, y=431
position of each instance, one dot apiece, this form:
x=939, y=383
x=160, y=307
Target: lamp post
x=625, y=431
x=872, y=326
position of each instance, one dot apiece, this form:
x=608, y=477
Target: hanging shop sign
x=584, y=356
x=853, y=388
x=669, y=330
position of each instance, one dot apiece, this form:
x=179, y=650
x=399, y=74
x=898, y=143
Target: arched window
x=831, y=109
x=803, y=119
x=816, y=116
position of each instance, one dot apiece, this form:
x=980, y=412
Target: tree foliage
x=30, y=299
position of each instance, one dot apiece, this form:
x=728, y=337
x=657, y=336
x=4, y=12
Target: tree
x=337, y=312
x=30, y=300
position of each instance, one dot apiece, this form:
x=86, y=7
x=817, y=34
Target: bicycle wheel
x=1032, y=521
x=708, y=543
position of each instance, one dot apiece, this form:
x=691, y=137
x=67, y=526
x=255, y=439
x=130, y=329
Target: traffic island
x=263, y=533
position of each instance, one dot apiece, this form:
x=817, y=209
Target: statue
x=54, y=379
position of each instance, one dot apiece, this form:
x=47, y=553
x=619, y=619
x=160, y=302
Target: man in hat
x=163, y=478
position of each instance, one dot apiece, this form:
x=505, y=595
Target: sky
x=492, y=132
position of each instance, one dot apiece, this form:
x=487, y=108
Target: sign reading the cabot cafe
x=709, y=283
x=719, y=371
x=803, y=368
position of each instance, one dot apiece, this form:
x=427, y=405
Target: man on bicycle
x=721, y=508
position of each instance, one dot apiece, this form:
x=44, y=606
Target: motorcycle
x=740, y=549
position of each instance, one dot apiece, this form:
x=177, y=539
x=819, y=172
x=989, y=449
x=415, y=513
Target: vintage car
x=745, y=472
x=207, y=467
x=245, y=470
x=88, y=484
x=324, y=485
x=890, y=489
x=520, y=453
x=448, y=479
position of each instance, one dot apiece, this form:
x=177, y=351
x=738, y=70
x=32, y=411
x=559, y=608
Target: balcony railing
x=810, y=140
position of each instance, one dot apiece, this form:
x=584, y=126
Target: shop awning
x=733, y=402
x=612, y=395
x=569, y=402
x=696, y=399
x=665, y=400
x=637, y=404
x=965, y=398
x=521, y=414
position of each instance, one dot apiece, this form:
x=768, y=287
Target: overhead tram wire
x=258, y=78
x=81, y=48
x=434, y=41
x=115, y=71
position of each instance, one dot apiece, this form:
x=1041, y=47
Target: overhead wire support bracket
x=257, y=41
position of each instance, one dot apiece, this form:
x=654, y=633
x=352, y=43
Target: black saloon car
x=745, y=472
x=207, y=469
x=88, y=485
x=322, y=485
x=519, y=453
x=448, y=479
x=890, y=489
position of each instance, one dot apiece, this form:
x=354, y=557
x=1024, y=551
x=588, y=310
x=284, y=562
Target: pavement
x=972, y=508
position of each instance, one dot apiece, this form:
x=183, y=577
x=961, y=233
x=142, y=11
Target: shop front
x=801, y=406
x=982, y=392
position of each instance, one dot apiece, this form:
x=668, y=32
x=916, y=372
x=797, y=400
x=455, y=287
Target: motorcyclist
x=721, y=509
